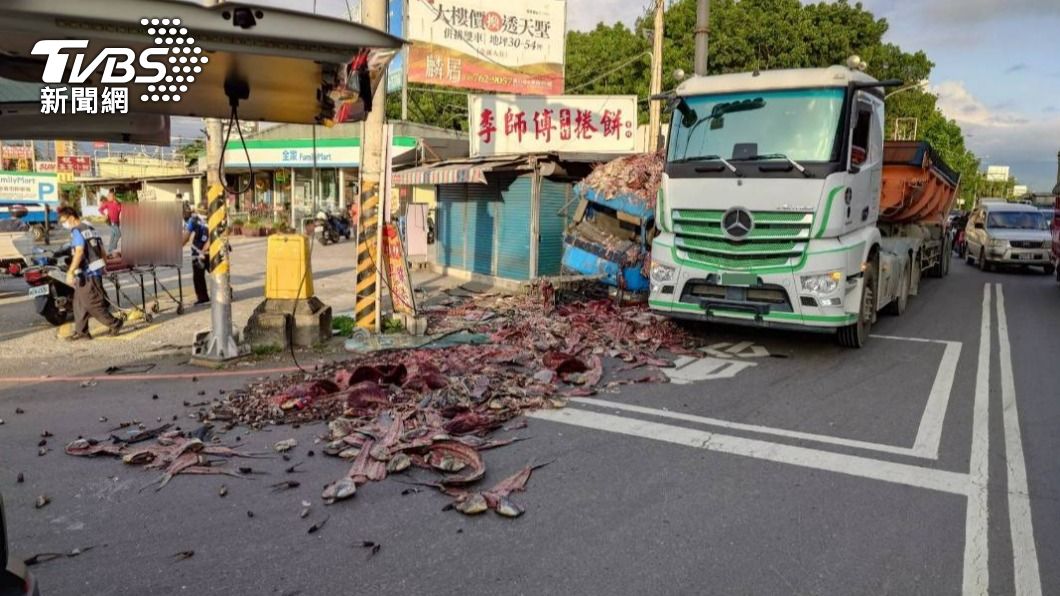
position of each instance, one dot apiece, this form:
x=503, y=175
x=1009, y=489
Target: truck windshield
x=800, y=124
x=1015, y=220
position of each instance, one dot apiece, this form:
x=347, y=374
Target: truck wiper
x=710, y=158
x=802, y=170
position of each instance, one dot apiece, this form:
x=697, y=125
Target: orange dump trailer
x=919, y=190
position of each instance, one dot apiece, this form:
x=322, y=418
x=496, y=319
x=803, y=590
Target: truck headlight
x=661, y=274
x=822, y=284
x=1047, y=244
x=999, y=244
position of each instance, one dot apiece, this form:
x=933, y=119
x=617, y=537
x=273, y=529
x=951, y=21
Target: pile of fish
x=435, y=407
x=171, y=451
x=638, y=176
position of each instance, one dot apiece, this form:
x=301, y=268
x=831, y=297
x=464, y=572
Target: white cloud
x=1027, y=142
x=975, y=11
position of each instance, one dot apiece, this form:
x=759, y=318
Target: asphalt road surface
x=925, y=463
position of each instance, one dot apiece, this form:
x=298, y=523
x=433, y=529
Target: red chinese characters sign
x=511, y=124
x=75, y=164
x=515, y=46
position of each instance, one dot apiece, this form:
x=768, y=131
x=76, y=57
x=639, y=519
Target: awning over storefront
x=455, y=171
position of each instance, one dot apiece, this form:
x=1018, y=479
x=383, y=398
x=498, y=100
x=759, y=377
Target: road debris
x=184, y=554
x=285, y=445
x=316, y=527
x=41, y=501
x=19, y=411
x=285, y=485
x=39, y=558
x=21, y=478
x=42, y=451
x=45, y=434
x=223, y=492
x=250, y=514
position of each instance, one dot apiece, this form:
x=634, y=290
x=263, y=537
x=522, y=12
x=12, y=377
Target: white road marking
x=791, y=434
x=743, y=349
x=938, y=480
x=687, y=370
x=976, y=528
x=1024, y=552
x=929, y=436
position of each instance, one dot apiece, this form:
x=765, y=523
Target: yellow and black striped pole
x=221, y=343
x=366, y=311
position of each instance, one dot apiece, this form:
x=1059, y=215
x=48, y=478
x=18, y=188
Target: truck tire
x=857, y=335
x=897, y=306
x=984, y=265
x=1049, y=269
x=54, y=315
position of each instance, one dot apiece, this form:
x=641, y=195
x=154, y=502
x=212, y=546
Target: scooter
x=333, y=227
x=52, y=297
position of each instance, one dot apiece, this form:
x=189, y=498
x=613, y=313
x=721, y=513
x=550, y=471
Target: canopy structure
x=463, y=171
x=284, y=66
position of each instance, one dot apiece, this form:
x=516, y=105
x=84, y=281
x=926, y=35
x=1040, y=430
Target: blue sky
x=997, y=71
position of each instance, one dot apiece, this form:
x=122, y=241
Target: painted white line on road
x=1024, y=552
x=791, y=434
x=976, y=528
x=929, y=436
x=916, y=339
x=938, y=480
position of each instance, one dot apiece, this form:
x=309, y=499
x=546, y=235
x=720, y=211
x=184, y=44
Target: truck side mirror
x=853, y=169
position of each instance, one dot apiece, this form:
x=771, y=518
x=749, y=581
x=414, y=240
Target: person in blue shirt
x=85, y=275
x=198, y=234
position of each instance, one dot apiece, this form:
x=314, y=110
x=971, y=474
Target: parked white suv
x=1001, y=233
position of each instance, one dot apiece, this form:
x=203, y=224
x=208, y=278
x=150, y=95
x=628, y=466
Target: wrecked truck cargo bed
x=609, y=238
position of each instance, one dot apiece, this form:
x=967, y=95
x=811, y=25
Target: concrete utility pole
x=220, y=344
x=702, y=35
x=655, y=108
x=366, y=310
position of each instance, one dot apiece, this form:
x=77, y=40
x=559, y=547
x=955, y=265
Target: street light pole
x=702, y=36
x=906, y=88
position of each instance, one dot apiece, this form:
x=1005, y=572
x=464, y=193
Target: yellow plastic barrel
x=288, y=273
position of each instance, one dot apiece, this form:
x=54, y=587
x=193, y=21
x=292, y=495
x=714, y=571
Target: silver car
x=1008, y=234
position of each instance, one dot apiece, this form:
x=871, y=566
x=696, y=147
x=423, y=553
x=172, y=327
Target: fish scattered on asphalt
x=19, y=411
x=285, y=485
x=42, y=442
x=21, y=478
x=46, y=434
x=184, y=554
x=223, y=492
x=154, y=396
x=294, y=468
x=285, y=445
x=102, y=418
x=41, y=501
x=250, y=513
x=43, y=451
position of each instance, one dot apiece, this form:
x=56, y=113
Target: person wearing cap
x=85, y=275
x=111, y=209
x=198, y=234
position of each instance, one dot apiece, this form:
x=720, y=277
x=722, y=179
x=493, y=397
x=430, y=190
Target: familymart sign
x=298, y=153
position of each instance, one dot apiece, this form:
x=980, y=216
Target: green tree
x=192, y=152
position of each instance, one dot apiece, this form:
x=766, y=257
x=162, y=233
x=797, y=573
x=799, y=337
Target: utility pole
x=702, y=36
x=655, y=108
x=366, y=310
x=220, y=343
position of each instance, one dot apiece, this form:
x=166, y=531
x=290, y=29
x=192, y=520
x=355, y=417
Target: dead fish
x=42, y=442
x=184, y=554
x=250, y=514
x=102, y=418
x=285, y=445
x=448, y=463
x=285, y=485
x=316, y=527
x=294, y=468
x=508, y=509
x=137, y=458
x=399, y=463
x=350, y=453
x=42, y=451
x=375, y=549
x=339, y=490
x=304, y=514
x=154, y=396
x=39, y=558
x=1, y=421
x=223, y=492
x=410, y=491
x=41, y=501
x=379, y=453
x=474, y=504
x=46, y=434
x=19, y=411
x=21, y=478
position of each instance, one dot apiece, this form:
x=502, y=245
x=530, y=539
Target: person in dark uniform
x=86, y=276
x=197, y=232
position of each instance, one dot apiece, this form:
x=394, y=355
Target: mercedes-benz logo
x=737, y=223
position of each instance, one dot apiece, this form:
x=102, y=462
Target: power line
x=612, y=71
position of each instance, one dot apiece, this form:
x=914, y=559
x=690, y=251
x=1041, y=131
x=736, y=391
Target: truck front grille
x=778, y=239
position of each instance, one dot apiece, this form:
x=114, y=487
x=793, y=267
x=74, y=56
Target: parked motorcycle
x=332, y=227
x=52, y=297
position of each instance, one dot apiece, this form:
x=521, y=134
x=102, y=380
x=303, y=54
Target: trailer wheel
x=897, y=306
x=984, y=265
x=1049, y=269
x=857, y=335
